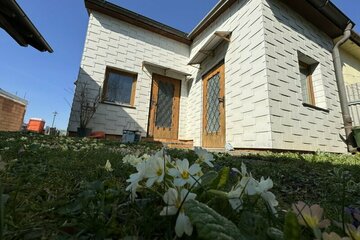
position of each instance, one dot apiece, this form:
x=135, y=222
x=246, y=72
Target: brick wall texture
x=11, y=114
x=264, y=107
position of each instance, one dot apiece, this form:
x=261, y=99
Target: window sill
x=118, y=104
x=315, y=107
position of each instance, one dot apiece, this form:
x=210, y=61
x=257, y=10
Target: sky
x=47, y=80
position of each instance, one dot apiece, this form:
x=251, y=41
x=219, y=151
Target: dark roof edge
x=136, y=19
x=355, y=37
x=214, y=13
x=34, y=30
x=325, y=7
x=332, y=12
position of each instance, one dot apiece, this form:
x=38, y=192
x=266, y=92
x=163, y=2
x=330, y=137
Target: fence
x=353, y=94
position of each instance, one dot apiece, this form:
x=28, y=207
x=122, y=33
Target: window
x=307, y=87
x=119, y=87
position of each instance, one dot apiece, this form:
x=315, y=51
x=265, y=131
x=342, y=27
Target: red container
x=36, y=125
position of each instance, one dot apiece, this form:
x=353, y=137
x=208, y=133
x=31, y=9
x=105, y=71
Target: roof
x=328, y=18
x=137, y=20
x=13, y=97
x=352, y=46
x=16, y=23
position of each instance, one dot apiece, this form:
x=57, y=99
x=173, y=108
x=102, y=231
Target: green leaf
x=222, y=178
x=275, y=234
x=209, y=223
x=253, y=225
x=208, y=178
x=292, y=227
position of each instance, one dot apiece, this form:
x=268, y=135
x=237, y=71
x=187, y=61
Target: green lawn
x=57, y=187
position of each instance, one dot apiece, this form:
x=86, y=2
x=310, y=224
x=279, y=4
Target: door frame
x=218, y=68
x=153, y=100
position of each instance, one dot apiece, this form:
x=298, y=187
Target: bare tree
x=88, y=103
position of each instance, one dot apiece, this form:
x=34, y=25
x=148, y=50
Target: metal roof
x=13, y=97
x=16, y=23
x=322, y=13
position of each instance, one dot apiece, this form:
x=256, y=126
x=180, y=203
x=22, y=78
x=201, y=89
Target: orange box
x=36, y=125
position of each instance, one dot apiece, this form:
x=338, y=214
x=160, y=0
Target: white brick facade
x=263, y=103
x=113, y=43
x=293, y=125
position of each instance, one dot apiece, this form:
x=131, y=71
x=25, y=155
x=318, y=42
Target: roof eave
x=329, y=18
x=137, y=20
x=355, y=37
x=214, y=13
x=34, y=39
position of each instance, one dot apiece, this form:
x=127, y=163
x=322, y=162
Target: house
x=17, y=24
x=256, y=74
x=12, y=111
x=350, y=56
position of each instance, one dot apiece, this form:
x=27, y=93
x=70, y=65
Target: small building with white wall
x=255, y=74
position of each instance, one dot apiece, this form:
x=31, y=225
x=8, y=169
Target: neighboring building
x=350, y=56
x=12, y=111
x=257, y=74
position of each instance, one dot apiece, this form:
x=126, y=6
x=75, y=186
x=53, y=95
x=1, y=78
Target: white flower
x=183, y=174
x=243, y=170
x=174, y=200
x=204, y=156
x=250, y=185
x=132, y=160
x=234, y=197
x=135, y=178
x=162, y=154
x=108, y=166
x=155, y=170
x=263, y=188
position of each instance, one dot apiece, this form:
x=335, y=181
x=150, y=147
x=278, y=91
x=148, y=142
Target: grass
x=58, y=188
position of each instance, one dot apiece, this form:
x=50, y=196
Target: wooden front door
x=214, y=109
x=164, y=108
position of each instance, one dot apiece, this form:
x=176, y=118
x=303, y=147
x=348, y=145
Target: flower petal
x=179, y=182
x=194, y=169
x=168, y=211
x=183, y=225
x=170, y=196
x=174, y=172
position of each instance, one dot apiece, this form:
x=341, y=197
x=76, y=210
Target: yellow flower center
x=313, y=222
x=159, y=172
x=185, y=175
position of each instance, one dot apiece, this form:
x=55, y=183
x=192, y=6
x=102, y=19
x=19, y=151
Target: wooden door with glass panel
x=164, y=108
x=214, y=109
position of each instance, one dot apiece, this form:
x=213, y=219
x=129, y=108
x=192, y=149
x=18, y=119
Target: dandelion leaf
x=254, y=225
x=221, y=179
x=291, y=227
x=210, y=224
x=208, y=178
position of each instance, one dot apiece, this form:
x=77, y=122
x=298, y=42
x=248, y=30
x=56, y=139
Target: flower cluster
x=312, y=218
x=176, y=180
x=251, y=187
x=175, y=177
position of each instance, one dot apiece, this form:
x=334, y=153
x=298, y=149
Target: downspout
x=342, y=91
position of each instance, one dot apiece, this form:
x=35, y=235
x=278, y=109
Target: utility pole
x=55, y=113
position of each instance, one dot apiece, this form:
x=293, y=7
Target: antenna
x=55, y=113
